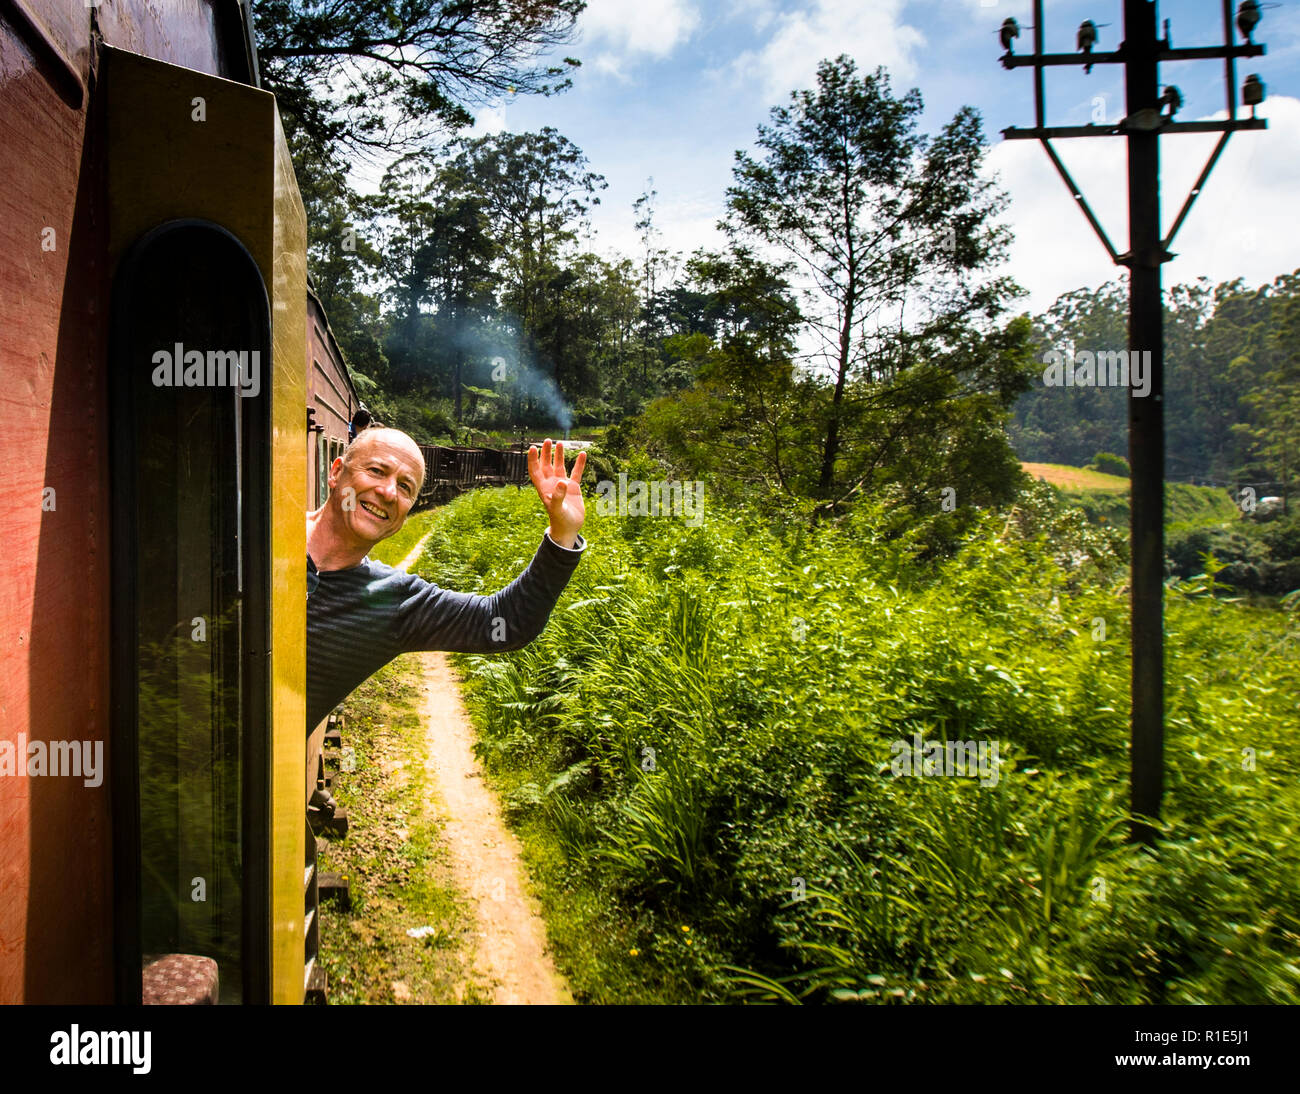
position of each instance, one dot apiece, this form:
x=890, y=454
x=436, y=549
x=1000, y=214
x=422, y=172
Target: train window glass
x=188, y=595
x=322, y=470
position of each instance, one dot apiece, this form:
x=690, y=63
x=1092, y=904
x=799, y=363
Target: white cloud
x=758, y=13
x=685, y=216
x=1240, y=226
x=607, y=64
x=490, y=119
x=871, y=33
x=984, y=10
x=656, y=27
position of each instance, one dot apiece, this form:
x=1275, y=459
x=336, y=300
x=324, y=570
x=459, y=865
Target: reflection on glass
x=188, y=655
x=322, y=471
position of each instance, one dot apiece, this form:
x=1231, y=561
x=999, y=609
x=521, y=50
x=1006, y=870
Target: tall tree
x=746, y=422
x=656, y=261
x=892, y=228
x=381, y=78
x=342, y=257
x=385, y=75
x=535, y=188
x=656, y=267
x=408, y=214
x=455, y=266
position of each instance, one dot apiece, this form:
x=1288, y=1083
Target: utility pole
x=1149, y=114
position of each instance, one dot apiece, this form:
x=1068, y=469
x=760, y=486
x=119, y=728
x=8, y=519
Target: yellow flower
x=686, y=928
x=633, y=953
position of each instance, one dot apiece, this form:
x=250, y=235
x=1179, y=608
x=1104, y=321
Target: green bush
x=706, y=726
x=1257, y=558
x=1110, y=464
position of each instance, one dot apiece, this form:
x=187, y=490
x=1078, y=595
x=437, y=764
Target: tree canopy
x=895, y=232
x=356, y=76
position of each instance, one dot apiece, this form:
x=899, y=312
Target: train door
x=191, y=642
x=207, y=244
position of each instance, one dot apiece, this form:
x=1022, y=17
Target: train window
x=190, y=382
x=322, y=470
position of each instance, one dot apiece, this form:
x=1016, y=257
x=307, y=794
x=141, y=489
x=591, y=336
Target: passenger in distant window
x=360, y=420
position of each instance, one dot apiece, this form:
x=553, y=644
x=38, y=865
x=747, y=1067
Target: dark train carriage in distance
x=153, y=303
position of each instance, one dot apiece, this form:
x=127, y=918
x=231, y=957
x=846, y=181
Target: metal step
x=335, y=887
x=314, y=985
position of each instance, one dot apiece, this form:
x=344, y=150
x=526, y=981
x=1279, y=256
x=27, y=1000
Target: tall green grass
x=702, y=735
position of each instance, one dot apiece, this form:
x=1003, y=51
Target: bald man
x=361, y=614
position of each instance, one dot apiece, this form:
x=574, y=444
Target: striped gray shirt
x=360, y=618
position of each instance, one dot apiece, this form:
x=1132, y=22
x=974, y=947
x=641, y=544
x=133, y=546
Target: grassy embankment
x=1104, y=498
x=698, y=755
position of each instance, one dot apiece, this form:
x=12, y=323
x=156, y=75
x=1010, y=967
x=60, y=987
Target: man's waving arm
x=433, y=618
x=560, y=494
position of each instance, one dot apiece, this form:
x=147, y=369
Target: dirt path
x=485, y=855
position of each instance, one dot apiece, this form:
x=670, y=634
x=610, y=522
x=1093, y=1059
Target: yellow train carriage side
x=204, y=212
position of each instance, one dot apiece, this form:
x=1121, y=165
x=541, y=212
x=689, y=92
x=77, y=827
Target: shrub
x=1110, y=464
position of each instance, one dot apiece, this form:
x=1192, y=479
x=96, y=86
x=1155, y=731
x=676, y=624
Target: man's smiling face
x=384, y=468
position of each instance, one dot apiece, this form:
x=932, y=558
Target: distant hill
x=1074, y=477
x=1104, y=498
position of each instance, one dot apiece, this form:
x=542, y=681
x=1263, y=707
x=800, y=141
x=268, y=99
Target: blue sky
x=670, y=89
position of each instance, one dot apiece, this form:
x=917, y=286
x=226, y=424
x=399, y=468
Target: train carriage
x=332, y=400
x=152, y=317
x=514, y=466
x=467, y=464
x=491, y=465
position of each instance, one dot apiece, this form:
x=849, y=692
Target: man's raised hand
x=561, y=494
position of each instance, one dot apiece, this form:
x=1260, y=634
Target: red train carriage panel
x=331, y=399
x=89, y=175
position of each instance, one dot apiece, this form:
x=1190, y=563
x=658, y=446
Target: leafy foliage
x=894, y=231
x=1230, y=383
x=1110, y=464
x=337, y=68
x=707, y=725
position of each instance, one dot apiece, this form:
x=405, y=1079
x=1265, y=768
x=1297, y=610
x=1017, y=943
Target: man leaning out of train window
x=362, y=613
